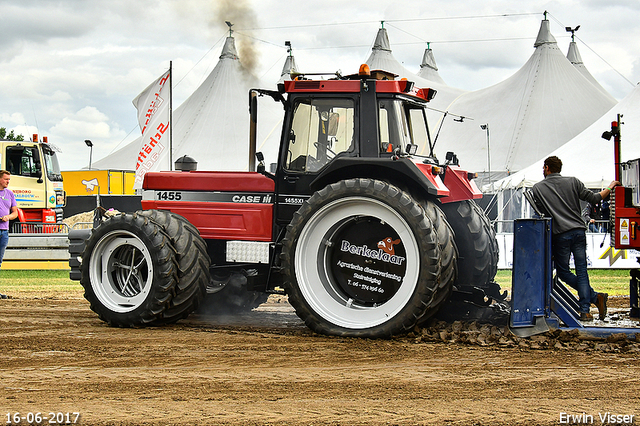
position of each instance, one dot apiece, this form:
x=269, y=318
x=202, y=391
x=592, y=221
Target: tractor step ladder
x=539, y=302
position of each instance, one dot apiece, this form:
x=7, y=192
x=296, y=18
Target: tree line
x=11, y=136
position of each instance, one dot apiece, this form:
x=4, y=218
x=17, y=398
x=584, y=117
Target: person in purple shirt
x=8, y=211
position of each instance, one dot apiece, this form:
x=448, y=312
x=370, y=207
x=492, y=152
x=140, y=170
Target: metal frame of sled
x=539, y=302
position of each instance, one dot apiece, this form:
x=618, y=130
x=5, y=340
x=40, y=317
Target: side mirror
x=260, y=158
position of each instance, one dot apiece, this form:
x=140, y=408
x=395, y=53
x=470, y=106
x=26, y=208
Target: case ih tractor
x=366, y=238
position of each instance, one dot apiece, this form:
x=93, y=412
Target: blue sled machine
x=539, y=301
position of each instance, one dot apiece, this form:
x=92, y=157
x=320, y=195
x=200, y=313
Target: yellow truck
x=36, y=182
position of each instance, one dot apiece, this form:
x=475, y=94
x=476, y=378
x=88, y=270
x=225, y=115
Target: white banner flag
x=153, y=117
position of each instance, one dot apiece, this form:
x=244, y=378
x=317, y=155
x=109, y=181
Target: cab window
x=394, y=132
x=22, y=161
x=321, y=129
x=401, y=123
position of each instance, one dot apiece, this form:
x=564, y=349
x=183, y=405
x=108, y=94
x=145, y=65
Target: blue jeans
x=4, y=241
x=574, y=242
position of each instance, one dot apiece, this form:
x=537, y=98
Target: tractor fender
x=402, y=171
x=460, y=186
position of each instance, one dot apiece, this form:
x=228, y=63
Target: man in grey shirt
x=559, y=197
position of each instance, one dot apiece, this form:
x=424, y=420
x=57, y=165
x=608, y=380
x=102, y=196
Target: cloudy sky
x=69, y=69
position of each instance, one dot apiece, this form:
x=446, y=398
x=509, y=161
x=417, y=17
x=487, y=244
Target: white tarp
x=428, y=67
x=573, y=55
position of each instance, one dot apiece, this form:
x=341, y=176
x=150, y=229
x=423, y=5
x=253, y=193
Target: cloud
x=36, y=23
x=87, y=123
x=73, y=67
x=8, y=119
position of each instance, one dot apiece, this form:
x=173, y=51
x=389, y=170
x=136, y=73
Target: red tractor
x=624, y=222
x=366, y=238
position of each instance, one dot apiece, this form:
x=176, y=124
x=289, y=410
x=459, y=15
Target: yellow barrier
x=35, y=264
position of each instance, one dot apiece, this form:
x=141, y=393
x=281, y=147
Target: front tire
x=129, y=271
x=361, y=258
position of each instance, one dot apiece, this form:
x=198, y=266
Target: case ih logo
x=379, y=254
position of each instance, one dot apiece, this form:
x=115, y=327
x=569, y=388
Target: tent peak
x=573, y=54
x=289, y=64
x=428, y=60
x=544, y=35
x=382, y=41
x=288, y=68
x=229, y=49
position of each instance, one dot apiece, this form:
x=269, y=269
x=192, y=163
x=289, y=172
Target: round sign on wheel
x=368, y=261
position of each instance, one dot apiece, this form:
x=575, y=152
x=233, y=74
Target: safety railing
x=38, y=228
x=47, y=228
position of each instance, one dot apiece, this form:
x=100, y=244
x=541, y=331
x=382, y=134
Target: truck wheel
x=361, y=258
x=193, y=264
x=129, y=271
x=476, y=241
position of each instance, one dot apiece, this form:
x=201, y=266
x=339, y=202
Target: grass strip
x=52, y=284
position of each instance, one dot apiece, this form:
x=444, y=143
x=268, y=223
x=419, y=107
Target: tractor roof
x=385, y=82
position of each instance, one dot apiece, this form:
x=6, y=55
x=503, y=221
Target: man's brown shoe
x=601, y=304
x=586, y=317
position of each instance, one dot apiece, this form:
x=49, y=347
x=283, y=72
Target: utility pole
x=486, y=128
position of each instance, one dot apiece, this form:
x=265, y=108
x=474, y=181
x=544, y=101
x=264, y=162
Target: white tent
x=587, y=156
x=539, y=108
x=122, y=159
x=381, y=58
x=212, y=125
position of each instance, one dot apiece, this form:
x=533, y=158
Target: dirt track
x=267, y=368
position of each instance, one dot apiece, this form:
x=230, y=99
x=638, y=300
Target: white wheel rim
x=121, y=271
x=319, y=290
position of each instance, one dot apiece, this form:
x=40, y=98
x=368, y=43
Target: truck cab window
x=23, y=161
x=321, y=129
x=51, y=164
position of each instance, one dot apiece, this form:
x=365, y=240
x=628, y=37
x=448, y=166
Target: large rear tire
x=476, y=242
x=129, y=271
x=361, y=258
